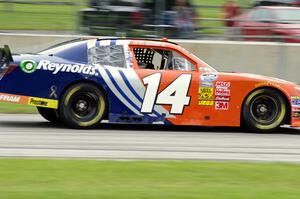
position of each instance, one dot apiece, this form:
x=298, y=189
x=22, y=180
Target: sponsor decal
x=295, y=102
x=295, y=97
x=208, y=77
x=224, y=98
x=296, y=114
x=220, y=105
x=10, y=98
x=206, y=96
x=206, y=103
x=207, y=84
x=206, y=90
x=267, y=84
x=222, y=92
x=33, y=101
x=41, y=102
x=28, y=66
x=222, y=85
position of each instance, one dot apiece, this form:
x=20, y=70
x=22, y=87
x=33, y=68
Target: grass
x=16, y=108
x=65, y=17
x=62, y=179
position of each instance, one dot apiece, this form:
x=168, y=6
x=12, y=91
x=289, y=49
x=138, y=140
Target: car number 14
x=175, y=94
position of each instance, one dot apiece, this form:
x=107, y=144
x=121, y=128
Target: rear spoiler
x=5, y=59
x=5, y=55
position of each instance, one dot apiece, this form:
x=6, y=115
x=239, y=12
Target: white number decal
x=175, y=94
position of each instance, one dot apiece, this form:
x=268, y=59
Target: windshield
x=288, y=15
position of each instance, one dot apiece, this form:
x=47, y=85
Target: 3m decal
x=41, y=102
x=222, y=105
x=175, y=94
x=28, y=66
x=206, y=103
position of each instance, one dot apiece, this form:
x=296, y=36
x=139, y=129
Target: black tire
x=49, y=114
x=82, y=106
x=264, y=110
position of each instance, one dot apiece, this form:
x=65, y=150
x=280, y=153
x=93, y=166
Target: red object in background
x=230, y=10
x=281, y=22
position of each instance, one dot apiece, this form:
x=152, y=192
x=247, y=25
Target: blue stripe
x=133, y=91
x=120, y=90
x=98, y=43
x=113, y=43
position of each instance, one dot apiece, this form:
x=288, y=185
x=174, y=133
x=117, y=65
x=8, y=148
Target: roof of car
x=138, y=39
x=280, y=7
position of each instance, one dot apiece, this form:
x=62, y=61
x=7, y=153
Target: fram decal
x=221, y=105
x=223, y=85
x=9, y=98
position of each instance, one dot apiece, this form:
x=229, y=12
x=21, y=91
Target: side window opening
x=157, y=59
x=107, y=55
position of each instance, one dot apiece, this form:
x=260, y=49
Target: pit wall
x=272, y=59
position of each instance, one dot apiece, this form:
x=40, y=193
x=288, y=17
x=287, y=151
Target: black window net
x=143, y=55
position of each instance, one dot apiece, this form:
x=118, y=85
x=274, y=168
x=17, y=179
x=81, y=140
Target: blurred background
x=189, y=19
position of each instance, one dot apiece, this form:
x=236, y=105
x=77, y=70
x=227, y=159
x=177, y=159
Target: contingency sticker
x=33, y=101
x=222, y=95
x=206, y=96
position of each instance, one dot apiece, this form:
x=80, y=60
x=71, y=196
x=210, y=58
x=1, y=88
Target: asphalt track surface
x=30, y=136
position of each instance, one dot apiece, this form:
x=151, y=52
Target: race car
x=138, y=81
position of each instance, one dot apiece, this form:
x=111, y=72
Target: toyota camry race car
x=140, y=81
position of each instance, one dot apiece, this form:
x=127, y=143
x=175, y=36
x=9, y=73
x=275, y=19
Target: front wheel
x=264, y=110
x=82, y=105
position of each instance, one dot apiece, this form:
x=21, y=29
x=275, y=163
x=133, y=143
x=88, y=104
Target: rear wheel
x=49, y=114
x=82, y=105
x=264, y=110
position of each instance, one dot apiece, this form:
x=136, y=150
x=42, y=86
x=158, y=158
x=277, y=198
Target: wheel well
x=93, y=83
x=287, y=103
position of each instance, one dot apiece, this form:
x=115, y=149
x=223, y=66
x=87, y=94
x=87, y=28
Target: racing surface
x=33, y=137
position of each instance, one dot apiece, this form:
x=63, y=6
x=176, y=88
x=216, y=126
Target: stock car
x=140, y=81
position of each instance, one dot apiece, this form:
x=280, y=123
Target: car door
x=171, y=81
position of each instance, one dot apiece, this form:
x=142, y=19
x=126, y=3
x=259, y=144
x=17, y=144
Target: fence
x=64, y=15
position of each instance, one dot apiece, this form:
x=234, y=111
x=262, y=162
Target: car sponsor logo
x=222, y=98
x=296, y=114
x=295, y=101
x=208, y=77
x=222, y=85
x=205, y=95
x=221, y=105
x=28, y=66
x=10, y=98
x=222, y=92
x=41, y=102
x=206, y=103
